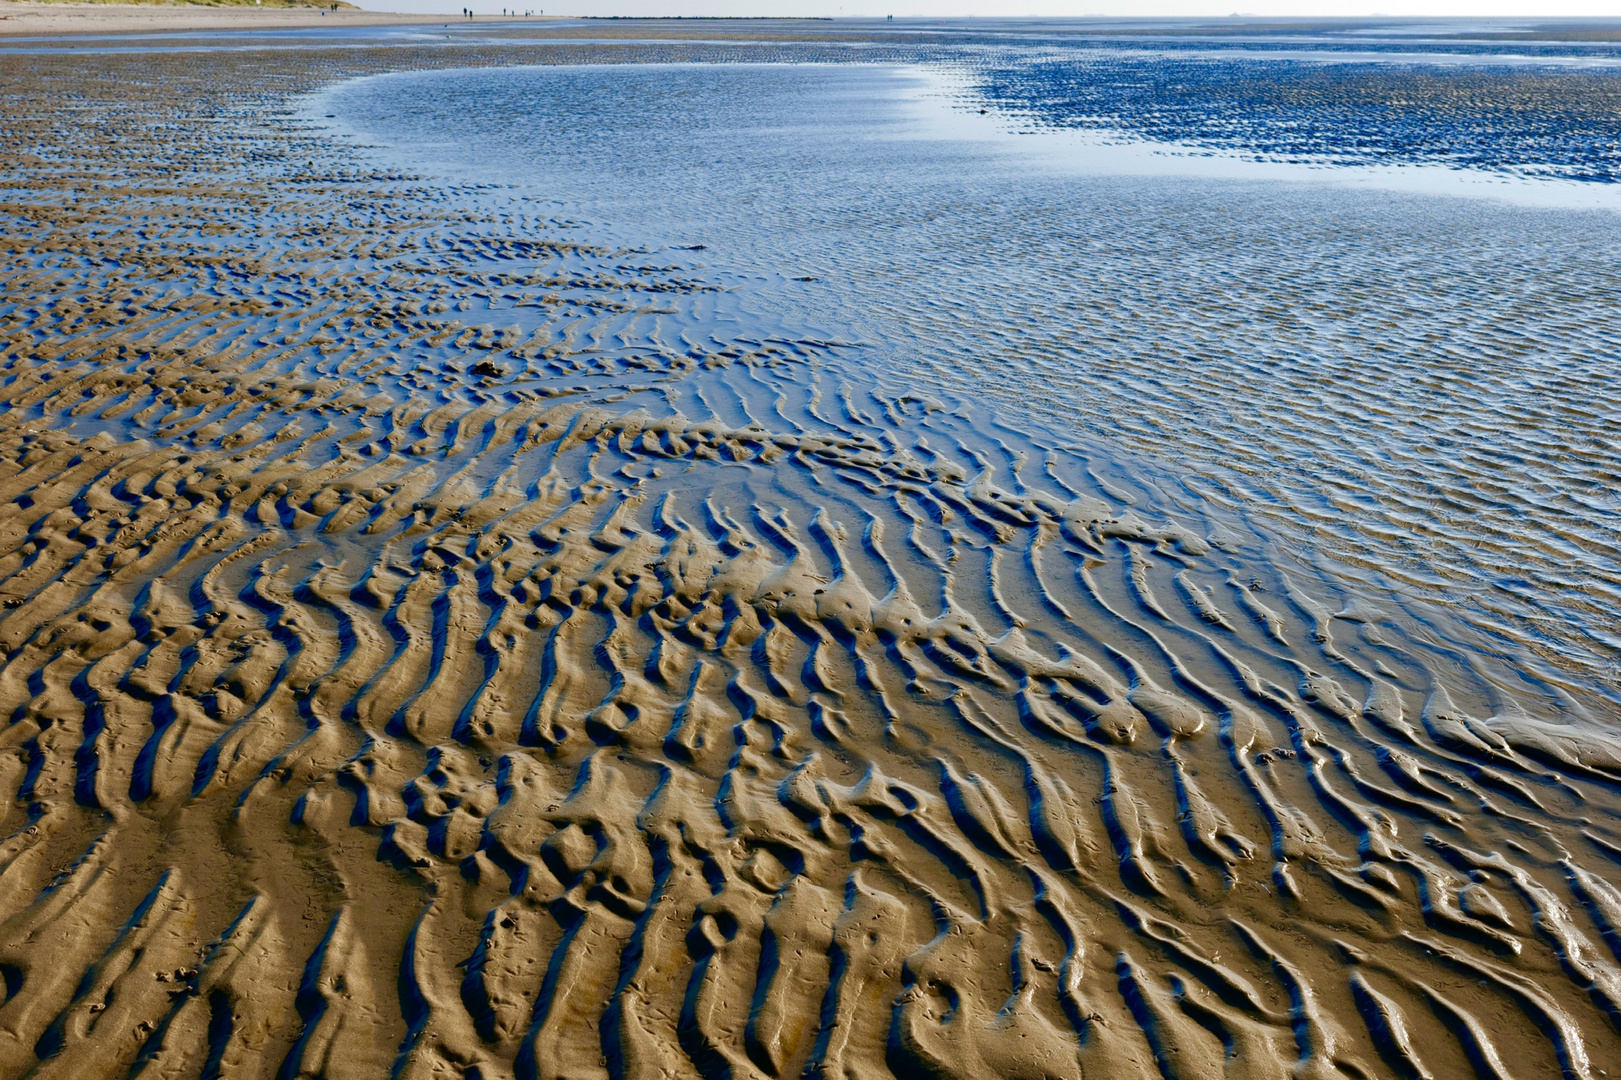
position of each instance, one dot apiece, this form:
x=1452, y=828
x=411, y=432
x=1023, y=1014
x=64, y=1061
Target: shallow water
x=469, y=608
x=1378, y=369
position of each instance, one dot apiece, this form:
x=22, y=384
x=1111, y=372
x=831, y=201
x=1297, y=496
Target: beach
x=464, y=619
x=24, y=19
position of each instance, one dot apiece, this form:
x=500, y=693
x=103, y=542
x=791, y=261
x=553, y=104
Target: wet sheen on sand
x=451, y=629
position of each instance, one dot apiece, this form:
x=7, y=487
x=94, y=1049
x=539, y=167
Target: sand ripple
x=420, y=658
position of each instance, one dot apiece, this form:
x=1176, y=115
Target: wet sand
x=391, y=692
x=24, y=19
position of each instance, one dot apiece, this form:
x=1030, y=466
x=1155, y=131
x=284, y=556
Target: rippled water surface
x=612, y=549
x=1379, y=370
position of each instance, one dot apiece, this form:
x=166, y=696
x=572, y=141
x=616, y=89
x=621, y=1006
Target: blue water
x=1518, y=114
x=1272, y=281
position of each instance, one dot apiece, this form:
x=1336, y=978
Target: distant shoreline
x=46, y=19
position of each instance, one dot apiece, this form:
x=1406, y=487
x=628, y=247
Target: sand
x=24, y=19
x=392, y=693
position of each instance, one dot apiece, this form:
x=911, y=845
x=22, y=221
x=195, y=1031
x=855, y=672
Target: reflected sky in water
x=1406, y=388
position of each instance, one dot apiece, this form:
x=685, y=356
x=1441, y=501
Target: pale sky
x=1010, y=8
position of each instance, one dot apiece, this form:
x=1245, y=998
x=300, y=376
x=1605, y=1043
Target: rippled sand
x=420, y=660
x=19, y=18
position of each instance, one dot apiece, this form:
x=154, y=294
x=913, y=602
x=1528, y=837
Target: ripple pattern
x=1413, y=394
x=1550, y=118
x=426, y=654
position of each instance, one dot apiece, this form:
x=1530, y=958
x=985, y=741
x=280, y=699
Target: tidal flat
x=996, y=548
